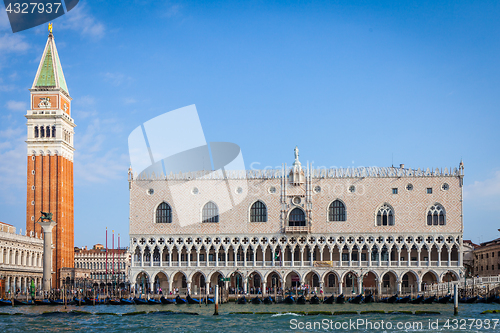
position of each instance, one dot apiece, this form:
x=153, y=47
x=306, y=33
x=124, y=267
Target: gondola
x=125, y=301
x=179, y=300
x=78, y=301
x=393, y=299
x=268, y=300
x=430, y=299
x=153, y=301
x=165, y=300
x=41, y=302
x=256, y=300
x=471, y=300
x=314, y=300
x=329, y=300
x=491, y=299
x=404, y=300
x=115, y=302
x=18, y=302
x=208, y=301
x=53, y=302
x=242, y=300
x=444, y=299
x=418, y=300
x=140, y=301
x=89, y=301
x=369, y=299
x=191, y=300
x=5, y=302
x=340, y=299
x=357, y=300
x=301, y=300
x=289, y=300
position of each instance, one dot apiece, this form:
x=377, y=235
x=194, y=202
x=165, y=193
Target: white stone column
x=379, y=287
x=189, y=287
x=225, y=257
x=418, y=257
x=198, y=258
x=188, y=254
x=439, y=256
x=341, y=291
x=245, y=285
x=170, y=286
x=47, y=253
x=331, y=254
x=409, y=257
x=301, y=257
x=399, y=257
x=161, y=258
x=449, y=257
x=321, y=254
x=369, y=254
x=460, y=256
x=179, y=258
x=264, y=287
x=254, y=257
x=245, y=258
x=360, y=284
x=216, y=257
x=291, y=253
x=169, y=258
x=207, y=288
x=399, y=286
x=273, y=255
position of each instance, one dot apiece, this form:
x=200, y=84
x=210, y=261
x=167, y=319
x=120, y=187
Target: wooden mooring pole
x=216, y=313
x=455, y=300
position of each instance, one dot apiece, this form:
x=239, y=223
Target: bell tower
x=50, y=157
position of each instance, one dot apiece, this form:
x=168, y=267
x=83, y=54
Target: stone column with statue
x=47, y=224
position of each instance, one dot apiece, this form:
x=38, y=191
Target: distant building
x=111, y=266
x=21, y=259
x=487, y=258
x=468, y=255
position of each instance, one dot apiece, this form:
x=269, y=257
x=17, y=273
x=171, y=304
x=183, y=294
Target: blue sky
x=352, y=83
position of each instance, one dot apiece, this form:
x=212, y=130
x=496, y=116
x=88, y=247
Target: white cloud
x=17, y=106
x=80, y=19
x=485, y=194
x=12, y=43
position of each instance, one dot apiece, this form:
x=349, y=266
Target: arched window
x=53, y=131
x=42, y=132
x=164, y=213
x=336, y=212
x=36, y=131
x=258, y=212
x=385, y=215
x=48, y=131
x=297, y=218
x=436, y=215
x=210, y=213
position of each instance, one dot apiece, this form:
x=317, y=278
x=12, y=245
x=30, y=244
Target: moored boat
x=357, y=300
x=179, y=300
x=340, y=299
x=404, y=300
x=242, y=300
x=256, y=300
x=314, y=300
x=140, y=301
x=165, y=300
x=418, y=300
x=329, y=300
x=268, y=300
x=115, y=302
x=369, y=299
x=153, y=301
x=301, y=300
x=191, y=300
x=41, y=302
x=289, y=300
x=125, y=301
x=444, y=299
x=5, y=302
x=393, y=299
x=429, y=299
x=18, y=302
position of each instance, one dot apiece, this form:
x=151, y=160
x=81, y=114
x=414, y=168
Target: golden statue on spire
x=50, y=27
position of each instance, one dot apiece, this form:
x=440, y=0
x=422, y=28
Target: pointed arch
x=163, y=213
x=258, y=212
x=436, y=215
x=337, y=211
x=210, y=213
x=385, y=215
x=297, y=218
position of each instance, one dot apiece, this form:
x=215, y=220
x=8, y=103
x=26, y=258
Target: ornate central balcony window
x=297, y=218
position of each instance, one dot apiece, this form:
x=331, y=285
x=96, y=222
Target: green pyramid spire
x=50, y=73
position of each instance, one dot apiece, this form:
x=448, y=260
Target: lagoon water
x=103, y=318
